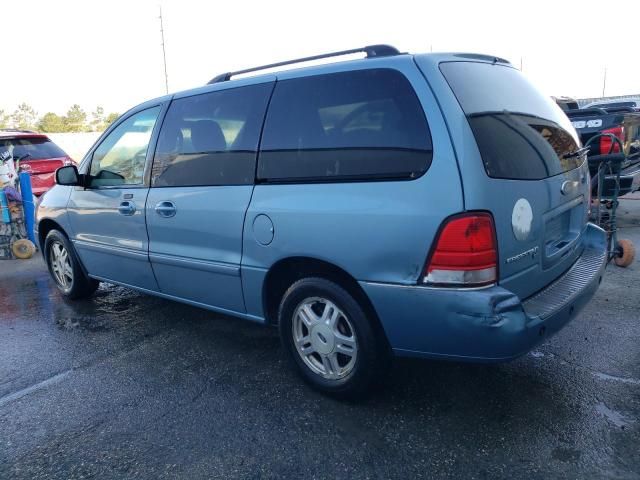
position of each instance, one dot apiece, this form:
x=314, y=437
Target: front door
x=201, y=185
x=108, y=216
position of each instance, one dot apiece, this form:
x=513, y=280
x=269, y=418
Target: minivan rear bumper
x=488, y=324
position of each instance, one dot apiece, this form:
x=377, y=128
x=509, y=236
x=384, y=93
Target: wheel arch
x=44, y=227
x=287, y=271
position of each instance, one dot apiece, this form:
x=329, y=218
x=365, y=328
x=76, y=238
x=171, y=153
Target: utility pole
x=164, y=54
x=604, y=81
x=520, y=63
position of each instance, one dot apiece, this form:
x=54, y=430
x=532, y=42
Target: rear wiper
x=576, y=153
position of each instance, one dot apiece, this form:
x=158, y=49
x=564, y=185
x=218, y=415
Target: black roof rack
x=619, y=109
x=585, y=112
x=17, y=130
x=370, y=50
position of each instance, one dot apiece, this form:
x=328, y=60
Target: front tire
x=330, y=340
x=65, y=269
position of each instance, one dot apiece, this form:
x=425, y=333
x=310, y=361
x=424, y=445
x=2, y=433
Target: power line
x=164, y=53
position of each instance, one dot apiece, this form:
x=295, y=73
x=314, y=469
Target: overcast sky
x=60, y=52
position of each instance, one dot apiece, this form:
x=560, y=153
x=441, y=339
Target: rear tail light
x=465, y=253
x=605, y=142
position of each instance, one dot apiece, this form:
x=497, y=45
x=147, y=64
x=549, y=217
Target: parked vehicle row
x=425, y=205
x=37, y=154
x=618, y=128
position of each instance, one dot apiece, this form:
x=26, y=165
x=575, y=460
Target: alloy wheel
x=61, y=265
x=325, y=338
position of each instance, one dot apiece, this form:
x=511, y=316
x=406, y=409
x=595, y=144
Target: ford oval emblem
x=568, y=187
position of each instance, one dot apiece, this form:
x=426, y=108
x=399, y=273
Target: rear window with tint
x=364, y=124
x=521, y=133
x=37, y=148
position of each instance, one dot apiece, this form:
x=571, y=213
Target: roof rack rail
x=370, y=50
x=619, y=109
x=17, y=130
x=585, y=112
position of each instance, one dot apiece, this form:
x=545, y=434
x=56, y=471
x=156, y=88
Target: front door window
x=120, y=158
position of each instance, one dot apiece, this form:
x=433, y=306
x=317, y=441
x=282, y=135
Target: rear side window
x=37, y=148
x=521, y=133
x=358, y=125
x=211, y=139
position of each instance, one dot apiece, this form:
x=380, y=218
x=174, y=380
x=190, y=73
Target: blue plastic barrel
x=27, y=205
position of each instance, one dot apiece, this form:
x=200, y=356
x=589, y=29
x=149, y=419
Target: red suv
x=43, y=156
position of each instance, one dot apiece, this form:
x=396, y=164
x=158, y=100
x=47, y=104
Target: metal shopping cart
x=606, y=170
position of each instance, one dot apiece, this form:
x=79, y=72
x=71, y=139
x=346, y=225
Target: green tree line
x=76, y=120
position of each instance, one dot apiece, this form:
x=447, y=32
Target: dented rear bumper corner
x=490, y=324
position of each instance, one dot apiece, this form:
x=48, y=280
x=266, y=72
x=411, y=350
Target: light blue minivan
x=428, y=205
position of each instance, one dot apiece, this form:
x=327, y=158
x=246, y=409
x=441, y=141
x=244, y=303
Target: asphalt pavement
x=126, y=385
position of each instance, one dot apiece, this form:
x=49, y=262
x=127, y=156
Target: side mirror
x=68, y=175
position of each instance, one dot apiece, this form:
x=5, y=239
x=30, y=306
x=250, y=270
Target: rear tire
x=627, y=253
x=330, y=340
x=65, y=268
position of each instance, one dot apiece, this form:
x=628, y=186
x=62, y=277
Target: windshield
x=521, y=133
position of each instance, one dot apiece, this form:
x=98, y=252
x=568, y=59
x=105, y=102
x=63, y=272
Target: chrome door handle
x=165, y=209
x=127, y=208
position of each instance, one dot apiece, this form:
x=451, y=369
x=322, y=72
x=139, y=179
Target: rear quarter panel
x=375, y=231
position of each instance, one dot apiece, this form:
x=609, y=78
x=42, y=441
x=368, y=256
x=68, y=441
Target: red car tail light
x=605, y=142
x=465, y=253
